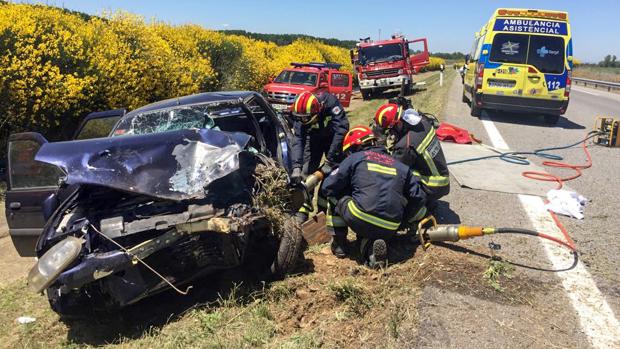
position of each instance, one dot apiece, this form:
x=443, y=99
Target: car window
x=25, y=171
x=380, y=53
x=97, y=128
x=340, y=80
x=184, y=117
x=547, y=54
x=509, y=48
x=478, y=48
x=297, y=78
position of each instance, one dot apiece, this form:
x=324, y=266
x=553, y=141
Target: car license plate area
x=497, y=83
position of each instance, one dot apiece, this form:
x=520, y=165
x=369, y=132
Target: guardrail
x=596, y=83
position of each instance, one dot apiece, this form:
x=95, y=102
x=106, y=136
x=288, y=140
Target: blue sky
x=449, y=25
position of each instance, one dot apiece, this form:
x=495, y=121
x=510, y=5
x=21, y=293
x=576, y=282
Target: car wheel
x=366, y=94
x=290, y=249
x=551, y=119
x=475, y=111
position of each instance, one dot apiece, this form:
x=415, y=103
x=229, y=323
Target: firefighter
x=416, y=145
x=373, y=194
x=320, y=124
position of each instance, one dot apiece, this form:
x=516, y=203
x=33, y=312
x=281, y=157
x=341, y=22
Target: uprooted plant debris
x=271, y=193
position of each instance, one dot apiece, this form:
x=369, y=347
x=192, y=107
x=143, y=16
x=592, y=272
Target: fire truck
x=385, y=64
x=314, y=77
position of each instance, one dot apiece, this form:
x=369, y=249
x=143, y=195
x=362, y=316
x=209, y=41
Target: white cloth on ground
x=567, y=203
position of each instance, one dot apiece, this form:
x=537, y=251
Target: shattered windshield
x=380, y=53
x=162, y=120
x=296, y=78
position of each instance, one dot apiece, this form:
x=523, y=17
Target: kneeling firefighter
x=320, y=125
x=416, y=145
x=373, y=194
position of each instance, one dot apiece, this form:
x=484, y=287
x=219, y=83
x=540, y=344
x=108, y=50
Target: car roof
x=206, y=97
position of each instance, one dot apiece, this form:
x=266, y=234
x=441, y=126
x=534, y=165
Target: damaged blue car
x=151, y=200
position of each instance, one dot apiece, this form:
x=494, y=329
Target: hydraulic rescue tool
x=430, y=232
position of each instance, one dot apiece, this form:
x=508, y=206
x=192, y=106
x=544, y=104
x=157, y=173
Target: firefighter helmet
x=306, y=108
x=388, y=115
x=358, y=135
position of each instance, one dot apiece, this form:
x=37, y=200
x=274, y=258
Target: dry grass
x=330, y=303
x=597, y=73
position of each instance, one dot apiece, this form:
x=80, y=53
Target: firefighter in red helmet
x=373, y=194
x=416, y=145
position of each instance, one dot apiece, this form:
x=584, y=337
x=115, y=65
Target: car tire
x=475, y=111
x=551, y=119
x=366, y=94
x=290, y=249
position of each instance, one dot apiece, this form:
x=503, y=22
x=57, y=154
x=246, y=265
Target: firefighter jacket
x=384, y=190
x=332, y=125
x=418, y=147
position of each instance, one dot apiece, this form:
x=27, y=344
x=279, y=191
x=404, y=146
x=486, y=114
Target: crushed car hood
x=174, y=165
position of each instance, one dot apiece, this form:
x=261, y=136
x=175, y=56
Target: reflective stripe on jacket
x=384, y=190
x=419, y=148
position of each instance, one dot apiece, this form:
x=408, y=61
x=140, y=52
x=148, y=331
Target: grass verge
x=428, y=98
x=597, y=73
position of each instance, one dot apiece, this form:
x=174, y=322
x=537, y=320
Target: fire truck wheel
x=366, y=94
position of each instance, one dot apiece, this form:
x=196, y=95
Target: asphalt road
x=572, y=308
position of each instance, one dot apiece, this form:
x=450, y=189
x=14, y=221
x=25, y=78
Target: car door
x=341, y=85
x=31, y=188
x=421, y=57
x=98, y=124
x=32, y=185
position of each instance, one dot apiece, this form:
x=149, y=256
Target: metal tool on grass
x=429, y=231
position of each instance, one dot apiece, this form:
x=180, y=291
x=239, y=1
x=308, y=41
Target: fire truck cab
x=386, y=64
x=314, y=77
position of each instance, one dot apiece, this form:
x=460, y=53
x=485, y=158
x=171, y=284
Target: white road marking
x=588, y=92
x=595, y=315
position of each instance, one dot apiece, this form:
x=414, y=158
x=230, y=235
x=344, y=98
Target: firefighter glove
x=296, y=176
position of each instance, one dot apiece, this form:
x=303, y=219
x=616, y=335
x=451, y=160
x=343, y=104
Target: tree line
x=287, y=39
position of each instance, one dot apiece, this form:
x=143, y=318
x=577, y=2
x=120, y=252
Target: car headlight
x=53, y=262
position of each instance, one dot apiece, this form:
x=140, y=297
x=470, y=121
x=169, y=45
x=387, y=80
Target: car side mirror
x=323, y=84
x=270, y=80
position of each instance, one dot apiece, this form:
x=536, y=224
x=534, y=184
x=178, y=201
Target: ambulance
x=521, y=61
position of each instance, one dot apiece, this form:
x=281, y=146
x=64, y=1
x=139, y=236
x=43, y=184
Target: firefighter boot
x=378, y=254
x=339, y=245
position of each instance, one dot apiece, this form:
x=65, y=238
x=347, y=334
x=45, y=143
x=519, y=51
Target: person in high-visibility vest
x=373, y=194
x=416, y=145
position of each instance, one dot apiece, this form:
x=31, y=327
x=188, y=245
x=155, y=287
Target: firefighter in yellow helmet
x=320, y=124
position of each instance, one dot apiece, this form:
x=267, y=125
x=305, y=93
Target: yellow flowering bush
x=56, y=66
x=434, y=63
